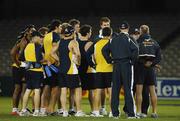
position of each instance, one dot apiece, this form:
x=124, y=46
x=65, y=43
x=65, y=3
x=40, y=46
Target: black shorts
x=69, y=81
x=144, y=75
x=51, y=81
x=34, y=79
x=18, y=75
x=103, y=80
x=87, y=80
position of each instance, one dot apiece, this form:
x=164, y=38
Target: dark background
x=23, y=8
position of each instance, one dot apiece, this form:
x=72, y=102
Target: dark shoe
x=72, y=112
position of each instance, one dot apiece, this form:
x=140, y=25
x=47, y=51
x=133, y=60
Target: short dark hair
x=85, y=29
x=104, y=19
x=43, y=30
x=106, y=31
x=73, y=22
x=54, y=23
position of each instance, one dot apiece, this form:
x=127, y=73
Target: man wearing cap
x=122, y=52
x=32, y=54
x=18, y=66
x=69, y=58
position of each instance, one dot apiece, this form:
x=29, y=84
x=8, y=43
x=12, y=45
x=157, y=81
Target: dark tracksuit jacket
x=152, y=53
x=122, y=52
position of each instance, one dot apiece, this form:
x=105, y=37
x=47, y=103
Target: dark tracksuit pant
x=122, y=75
x=145, y=99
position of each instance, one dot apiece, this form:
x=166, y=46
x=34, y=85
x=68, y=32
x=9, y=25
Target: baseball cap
x=36, y=33
x=124, y=25
x=136, y=31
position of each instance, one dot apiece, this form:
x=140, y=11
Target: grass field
x=167, y=110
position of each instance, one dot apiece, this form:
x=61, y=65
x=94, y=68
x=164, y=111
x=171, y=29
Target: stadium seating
x=160, y=27
x=171, y=60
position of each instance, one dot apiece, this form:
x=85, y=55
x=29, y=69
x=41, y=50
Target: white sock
x=43, y=110
x=59, y=110
x=14, y=109
x=96, y=112
x=79, y=111
x=24, y=110
x=36, y=111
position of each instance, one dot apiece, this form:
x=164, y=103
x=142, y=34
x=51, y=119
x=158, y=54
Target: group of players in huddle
x=52, y=61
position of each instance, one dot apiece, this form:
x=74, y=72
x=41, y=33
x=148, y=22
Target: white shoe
x=60, y=111
x=80, y=114
x=133, y=117
x=141, y=115
x=25, y=113
x=65, y=114
x=42, y=114
x=115, y=117
x=103, y=111
x=35, y=114
x=95, y=114
x=110, y=114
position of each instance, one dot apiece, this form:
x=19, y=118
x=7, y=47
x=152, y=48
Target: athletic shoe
x=26, y=113
x=133, y=117
x=103, y=111
x=59, y=111
x=154, y=115
x=29, y=110
x=95, y=114
x=81, y=114
x=65, y=114
x=42, y=114
x=115, y=117
x=110, y=114
x=35, y=114
x=72, y=111
x=141, y=115
x=53, y=114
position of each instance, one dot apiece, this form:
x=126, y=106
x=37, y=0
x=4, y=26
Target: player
x=50, y=91
x=69, y=58
x=34, y=75
x=103, y=70
x=18, y=67
x=86, y=73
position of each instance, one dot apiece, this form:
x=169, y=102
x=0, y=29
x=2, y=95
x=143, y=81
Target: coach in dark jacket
x=149, y=57
x=122, y=52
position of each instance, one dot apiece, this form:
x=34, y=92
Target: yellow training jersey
x=49, y=39
x=101, y=64
x=33, y=53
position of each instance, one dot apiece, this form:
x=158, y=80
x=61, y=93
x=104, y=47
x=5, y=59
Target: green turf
x=169, y=112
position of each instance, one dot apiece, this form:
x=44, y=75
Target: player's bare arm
x=74, y=48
